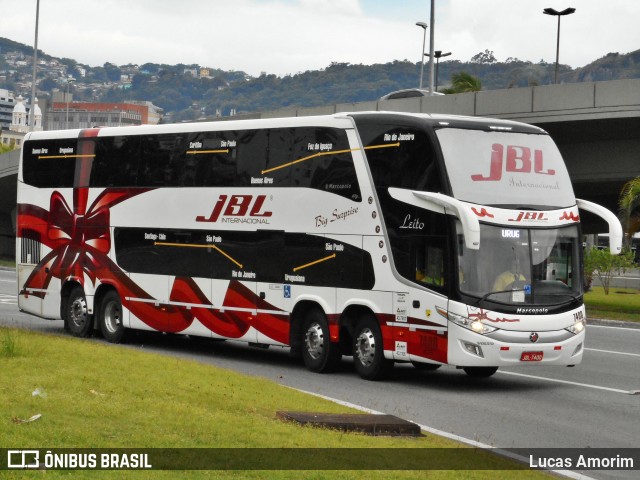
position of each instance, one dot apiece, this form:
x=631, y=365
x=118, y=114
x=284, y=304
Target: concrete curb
x=612, y=323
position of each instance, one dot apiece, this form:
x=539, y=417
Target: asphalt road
x=593, y=405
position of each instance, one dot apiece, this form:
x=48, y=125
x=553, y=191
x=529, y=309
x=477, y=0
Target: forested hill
x=188, y=92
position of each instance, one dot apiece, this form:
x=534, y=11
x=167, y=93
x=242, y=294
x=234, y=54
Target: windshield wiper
x=573, y=298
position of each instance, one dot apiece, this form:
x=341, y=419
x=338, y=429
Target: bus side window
x=116, y=162
x=409, y=164
x=206, y=160
x=324, y=162
x=40, y=171
x=429, y=263
x=263, y=157
x=158, y=160
x=279, y=155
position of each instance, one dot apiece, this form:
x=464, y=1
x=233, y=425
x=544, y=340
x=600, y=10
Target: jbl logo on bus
x=529, y=217
x=238, y=209
x=515, y=159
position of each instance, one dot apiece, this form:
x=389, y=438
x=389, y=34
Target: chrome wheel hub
x=366, y=347
x=112, y=317
x=314, y=341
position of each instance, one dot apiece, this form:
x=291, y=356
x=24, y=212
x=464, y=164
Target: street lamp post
x=69, y=81
x=32, y=114
x=424, y=41
x=432, y=19
x=437, y=55
x=551, y=11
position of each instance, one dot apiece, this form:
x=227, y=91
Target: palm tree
x=629, y=202
x=462, y=82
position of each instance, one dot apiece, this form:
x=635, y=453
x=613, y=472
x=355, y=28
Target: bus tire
x=110, y=318
x=480, y=372
x=318, y=352
x=368, y=350
x=77, y=318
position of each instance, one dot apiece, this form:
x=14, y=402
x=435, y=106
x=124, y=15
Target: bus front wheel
x=110, y=318
x=77, y=317
x=318, y=352
x=368, y=350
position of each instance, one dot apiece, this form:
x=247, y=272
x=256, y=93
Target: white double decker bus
x=388, y=237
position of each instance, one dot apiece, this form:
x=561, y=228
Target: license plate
x=531, y=356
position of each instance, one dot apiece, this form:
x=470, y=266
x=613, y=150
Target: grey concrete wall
x=539, y=104
x=8, y=178
x=9, y=163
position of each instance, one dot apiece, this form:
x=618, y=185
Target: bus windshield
x=521, y=266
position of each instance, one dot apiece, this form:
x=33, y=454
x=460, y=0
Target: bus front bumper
x=512, y=348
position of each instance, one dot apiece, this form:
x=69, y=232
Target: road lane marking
x=8, y=299
x=567, y=382
x=611, y=351
x=629, y=329
x=452, y=436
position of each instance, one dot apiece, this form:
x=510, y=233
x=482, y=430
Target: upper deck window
x=50, y=163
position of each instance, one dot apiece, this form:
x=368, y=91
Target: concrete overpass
x=596, y=126
x=8, y=191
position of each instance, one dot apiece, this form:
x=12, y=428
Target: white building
x=20, y=123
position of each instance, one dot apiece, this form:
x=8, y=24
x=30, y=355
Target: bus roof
x=458, y=121
x=337, y=120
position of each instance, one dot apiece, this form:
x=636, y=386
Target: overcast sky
x=290, y=36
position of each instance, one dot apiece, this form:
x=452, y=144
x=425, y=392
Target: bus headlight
x=577, y=327
x=474, y=325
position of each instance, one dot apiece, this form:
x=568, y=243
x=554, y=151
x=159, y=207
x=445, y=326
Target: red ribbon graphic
x=79, y=239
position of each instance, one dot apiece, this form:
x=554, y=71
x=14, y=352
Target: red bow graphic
x=79, y=237
x=80, y=240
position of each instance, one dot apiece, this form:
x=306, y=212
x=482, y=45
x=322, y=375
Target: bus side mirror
x=437, y=202
x=615, y=227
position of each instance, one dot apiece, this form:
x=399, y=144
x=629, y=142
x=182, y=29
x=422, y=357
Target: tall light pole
x=35, y=62
x=438, y=55
x=69, y=81
x=551, y=11
x=431, y=44
x=424, y=41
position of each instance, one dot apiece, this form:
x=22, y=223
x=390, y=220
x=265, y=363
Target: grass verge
x=94, y=395
x=5, y=262
x=620, y=304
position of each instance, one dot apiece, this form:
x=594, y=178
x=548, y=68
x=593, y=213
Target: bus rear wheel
x=318, y=352
x=368, y=350
x=77, y=318
x=480, y=372
x=110, y=318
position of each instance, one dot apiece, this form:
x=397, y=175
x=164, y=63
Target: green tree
x=629, y=204
x=112, y=71
x=601, y=264
x=462, y=82
x=484, y=57
x=5, y=148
